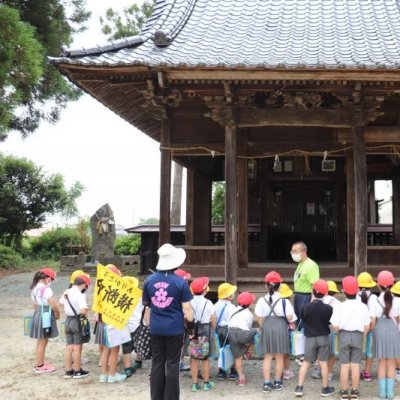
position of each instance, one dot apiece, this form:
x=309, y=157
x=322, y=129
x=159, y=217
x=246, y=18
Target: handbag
x=226, y=358
x=114, y=337
x=141, y=339
x=297, y=343
x=199, y=346
x=27, y=324
x=83, y=323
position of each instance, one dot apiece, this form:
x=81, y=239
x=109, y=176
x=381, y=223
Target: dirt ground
x=18, y=381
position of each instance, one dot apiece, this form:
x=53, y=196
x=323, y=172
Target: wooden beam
x=165, y=183
x=258, y=117
x=372, y=134
x=350, y=207
x=361, y=201
x=231, y=242
x=396, y=204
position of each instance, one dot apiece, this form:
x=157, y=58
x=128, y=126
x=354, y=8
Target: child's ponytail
x=272, y=288
x=388, y=298
x=36, y=278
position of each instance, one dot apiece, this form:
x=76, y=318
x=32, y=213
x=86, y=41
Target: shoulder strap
x=142, y=316
x=272, y=307
x=72, y=308
x=227, y=334
x=220, y=315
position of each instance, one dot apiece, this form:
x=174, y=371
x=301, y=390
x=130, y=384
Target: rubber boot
x=390, y=388
x=382, y=388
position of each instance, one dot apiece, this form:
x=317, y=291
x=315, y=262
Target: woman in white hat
x=168, y=297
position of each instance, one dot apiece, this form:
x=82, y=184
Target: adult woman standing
x=167, y=297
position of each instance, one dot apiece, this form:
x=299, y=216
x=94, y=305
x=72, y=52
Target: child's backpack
x=199, y=346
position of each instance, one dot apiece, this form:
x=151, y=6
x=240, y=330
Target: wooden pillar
x=243, y=202
x=189, y=207
x=396, y=205
x=231, y=241
x=371, y=202
x=340, y=201
x=361, y=201
x=165, y=183
x=350, y=206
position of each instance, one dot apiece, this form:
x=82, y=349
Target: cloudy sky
x=116, y=163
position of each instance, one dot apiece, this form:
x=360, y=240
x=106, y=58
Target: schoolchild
x=182, y=366
x=241, y=333
x=109, y=356
x=74, y=302
x=386, y=346
x=273, y=314
x=133, y=324
x=204, y=316
x=396, y=293
x=224, y=309
x=73, y=276
x=43, y=302
x=316, y=316
x=352, y=321
x=366, y=283
x=287, y=293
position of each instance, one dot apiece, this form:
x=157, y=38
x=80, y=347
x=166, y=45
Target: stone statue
x=102, y=225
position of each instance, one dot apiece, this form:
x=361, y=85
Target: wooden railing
x=380, y=235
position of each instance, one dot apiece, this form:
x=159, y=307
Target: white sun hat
x=170, y=257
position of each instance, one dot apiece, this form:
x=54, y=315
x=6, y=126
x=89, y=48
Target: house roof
x=292, y=34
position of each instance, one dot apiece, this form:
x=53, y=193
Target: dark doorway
x=302, y=211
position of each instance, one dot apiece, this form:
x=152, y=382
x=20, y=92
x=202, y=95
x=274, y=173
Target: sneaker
x=45, y=368
x=129, y=372
x=267, y=387
x=327, y=391
x=242, y=382
x=344, y=394
x=103, y=378
x=208, y=386
x=278, y=385
x=195, y=387
x=221, y=374
x=233, y=376
x=137, y=364
x=298, y=392
x=366, y=376
x=354, y=394
x=183, y=367
x=316, y=374
x=287, y=374
x=116, y=378
x=80, y=374
x=69, y=374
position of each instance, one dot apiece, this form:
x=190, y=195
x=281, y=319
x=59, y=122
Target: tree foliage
x=218, y=203
x=130, y=23
x=28, y=195
x=31, y=89
x=127, y=245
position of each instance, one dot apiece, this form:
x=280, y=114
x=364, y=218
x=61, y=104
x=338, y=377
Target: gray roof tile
x=260, y=33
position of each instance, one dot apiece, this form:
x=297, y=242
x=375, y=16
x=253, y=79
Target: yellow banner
x=114, y=298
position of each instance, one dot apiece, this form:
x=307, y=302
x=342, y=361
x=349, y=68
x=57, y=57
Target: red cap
x=114, y=269
x=245, y=298
x=49, y=272
x=199, y=285
x=321, y=286
x=85, y=278
x=350, y=285
x=273, y=277
x=183, y=274
x=385, y=278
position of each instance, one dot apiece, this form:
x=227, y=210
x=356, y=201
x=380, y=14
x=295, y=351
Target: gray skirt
x=386, y=339
x=239, y=340
x=274, y=336
x=37, y=330
x=100, y=337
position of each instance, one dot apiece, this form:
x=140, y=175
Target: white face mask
x=296, y=257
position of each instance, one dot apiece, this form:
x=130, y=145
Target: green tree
x=218, y=203
x=127, y=245
x=31, y=89
x=28, y=195
x=149, y=221
x=117, y=26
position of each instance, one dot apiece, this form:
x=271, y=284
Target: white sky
x=116, y=163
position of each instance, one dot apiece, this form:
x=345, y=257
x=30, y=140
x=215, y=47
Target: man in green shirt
x=307, y=272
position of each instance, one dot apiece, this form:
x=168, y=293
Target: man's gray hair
x=302, y=245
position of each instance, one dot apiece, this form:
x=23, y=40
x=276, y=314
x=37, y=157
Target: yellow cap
x=132, y=280
x=332, y=287
x=75, y=274
x=226, y=290
x=365, y=280
x=285, y=291
x=396, y=288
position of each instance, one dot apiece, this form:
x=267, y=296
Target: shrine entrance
x=303, y=211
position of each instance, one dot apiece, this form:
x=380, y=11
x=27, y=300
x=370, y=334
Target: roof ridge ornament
x=161, y=39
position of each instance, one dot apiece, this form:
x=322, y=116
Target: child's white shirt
x=241, y=319
x=41, y=293
x=134, y=319
x=200, y=303
x=377, y=309
x=330, y=300
x=351, y=315
x=263, y=307
x=76, y=298
x=228, y=309
x=372, y=300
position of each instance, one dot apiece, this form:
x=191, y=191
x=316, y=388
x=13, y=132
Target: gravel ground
x=19, y=382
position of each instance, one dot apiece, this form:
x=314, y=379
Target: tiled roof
x=259, y=34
